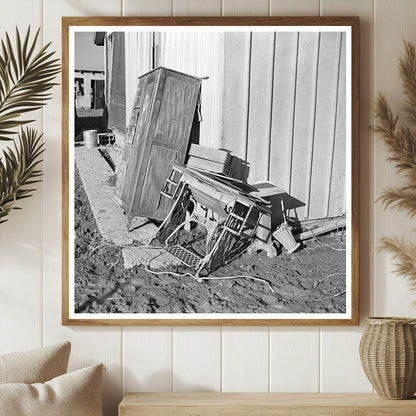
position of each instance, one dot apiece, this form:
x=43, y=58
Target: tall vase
x=388, y=356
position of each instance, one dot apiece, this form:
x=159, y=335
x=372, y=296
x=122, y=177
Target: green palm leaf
x=20, y=169
x=26, y=78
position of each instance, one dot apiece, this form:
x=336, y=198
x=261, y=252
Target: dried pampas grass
x=405, y=255
x=401, y=144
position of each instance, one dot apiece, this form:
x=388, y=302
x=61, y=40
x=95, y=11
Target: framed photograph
x=210, y=171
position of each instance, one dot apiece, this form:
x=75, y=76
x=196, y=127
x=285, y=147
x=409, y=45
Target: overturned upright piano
x=224, y=208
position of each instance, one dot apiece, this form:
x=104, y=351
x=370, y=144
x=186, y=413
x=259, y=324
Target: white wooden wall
x=219, y=359
x=276, y=100
x=288, y=121
x=198, y=54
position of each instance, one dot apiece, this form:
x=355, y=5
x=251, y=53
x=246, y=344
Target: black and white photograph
x=210, y=173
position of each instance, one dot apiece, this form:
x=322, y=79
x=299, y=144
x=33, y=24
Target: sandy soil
x=311, y=280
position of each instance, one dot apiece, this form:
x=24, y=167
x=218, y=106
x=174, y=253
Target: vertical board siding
x=294, y=352
x=325, y=121
x=304, y=118
x=245, y=359
x=337, y=189
x=147, y=7
x=294, y=7
x=89, y=345
x=136, y=65
x=291, y=105
x=260, y=104
x=196, y=359
x=199, y=54
x=21, y=237
x=203, y=7
x=147, y=352
x=245, y=8
x=342, y=370
x=210, y=64
x=284, y=92
x=394, y=21
x=147, y=359
x=237, y=48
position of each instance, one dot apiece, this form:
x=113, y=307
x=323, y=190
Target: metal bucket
x=90, y=138
x=284, y=236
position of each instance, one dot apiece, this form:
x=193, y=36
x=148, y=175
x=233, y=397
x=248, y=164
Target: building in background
x=277, y=100
x=89, y=89
x=89, y=83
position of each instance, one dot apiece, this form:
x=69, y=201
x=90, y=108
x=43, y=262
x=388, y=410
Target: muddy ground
x=311, y=280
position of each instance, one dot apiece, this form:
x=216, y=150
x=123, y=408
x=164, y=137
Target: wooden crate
x=208, y=158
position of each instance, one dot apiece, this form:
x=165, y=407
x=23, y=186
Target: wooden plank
x=210, y=56
x=341, y=371
x=294, y=8
x=147, y=359
x=211, y=166
x=89, y=345
x=236, y=78
x=304, y=118
x=337, y=368
x=294, y=360
x=196, y=8
x=245, y=359
x=260, y=104
x=325, y=228
x=284, y=91
x=393, y=23
x=199, y=54
x=336, y=195
x=21, y=237
x=196, y=359
x=147, y=8
x=179, y=51
x=245, y=8
x=172, y=404
x=209, y=153
x=138, y=62
x=325, y=125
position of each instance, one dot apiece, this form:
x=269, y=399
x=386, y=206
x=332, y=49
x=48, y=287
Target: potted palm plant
x=26, y=78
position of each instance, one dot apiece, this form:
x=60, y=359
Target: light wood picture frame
x=278, y=98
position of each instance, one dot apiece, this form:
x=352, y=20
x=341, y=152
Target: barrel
x=90, y=138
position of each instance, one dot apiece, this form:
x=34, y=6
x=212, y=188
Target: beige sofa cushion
x=35, y=366
x=73, y=394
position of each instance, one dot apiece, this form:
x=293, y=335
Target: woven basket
x=388, y=356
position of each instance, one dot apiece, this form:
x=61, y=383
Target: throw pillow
x=35, y=366
x=73, y=394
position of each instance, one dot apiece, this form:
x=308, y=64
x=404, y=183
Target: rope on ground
x=338, y=294
x=315, y=285
x=200, y=279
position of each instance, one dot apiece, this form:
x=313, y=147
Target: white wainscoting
x=303, y=359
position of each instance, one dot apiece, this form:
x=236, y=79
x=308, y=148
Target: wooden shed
x=277, y=100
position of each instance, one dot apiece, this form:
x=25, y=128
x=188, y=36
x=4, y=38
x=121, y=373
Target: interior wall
x=259, y=359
